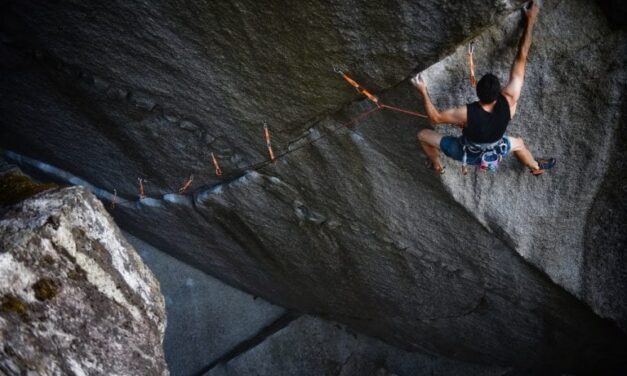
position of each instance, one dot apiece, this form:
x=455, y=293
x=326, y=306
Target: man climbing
x=484, y=122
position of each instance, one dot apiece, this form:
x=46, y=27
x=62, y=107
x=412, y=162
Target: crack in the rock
x=253, y=341
x=473, y=309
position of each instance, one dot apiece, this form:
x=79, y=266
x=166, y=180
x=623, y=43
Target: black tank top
x=486, y=127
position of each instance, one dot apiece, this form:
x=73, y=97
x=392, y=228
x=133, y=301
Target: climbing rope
x=417, y=114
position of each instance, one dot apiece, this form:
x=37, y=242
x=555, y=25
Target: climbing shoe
x=429, y=165
x=544, y=164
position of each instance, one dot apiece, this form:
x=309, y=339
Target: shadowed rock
x=312, y=347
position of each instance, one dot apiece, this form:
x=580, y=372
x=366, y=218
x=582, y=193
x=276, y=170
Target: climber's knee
x=517, y=143
x=429, y=136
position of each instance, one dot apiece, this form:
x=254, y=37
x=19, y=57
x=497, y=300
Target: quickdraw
x=216, y=165
x=186, y=185
x=142, y=194
x=266, y=133
x=361, y=90
x=471, y=50
x=114, y=199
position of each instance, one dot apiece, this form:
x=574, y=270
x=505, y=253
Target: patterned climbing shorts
x=453, y=147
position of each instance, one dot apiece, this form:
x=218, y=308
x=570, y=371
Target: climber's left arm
x=517, y=75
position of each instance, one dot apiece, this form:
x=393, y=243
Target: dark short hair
x=488, y=88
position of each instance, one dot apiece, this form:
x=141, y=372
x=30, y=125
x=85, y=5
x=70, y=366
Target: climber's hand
x=419, y=83
x=532, y=9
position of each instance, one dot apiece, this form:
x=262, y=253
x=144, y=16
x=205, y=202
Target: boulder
x=75, y=298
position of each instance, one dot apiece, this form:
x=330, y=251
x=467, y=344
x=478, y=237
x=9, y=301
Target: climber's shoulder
x=511, y=101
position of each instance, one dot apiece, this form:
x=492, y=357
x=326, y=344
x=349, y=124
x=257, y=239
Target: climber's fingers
x=532, y=8
x=418, y=81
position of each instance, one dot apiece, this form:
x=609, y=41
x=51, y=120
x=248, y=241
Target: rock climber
x=483, y=141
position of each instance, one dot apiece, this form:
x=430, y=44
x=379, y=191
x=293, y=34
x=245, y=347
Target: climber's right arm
x=456, y=116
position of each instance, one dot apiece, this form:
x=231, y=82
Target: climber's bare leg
x=429, y=140
x=522, y=153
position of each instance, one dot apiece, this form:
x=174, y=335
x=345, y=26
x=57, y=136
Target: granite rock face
x=501, y=269
x=75, y=297
x=571, y=108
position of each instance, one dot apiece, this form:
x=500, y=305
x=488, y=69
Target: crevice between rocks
x=473, y=309
x=252, y=341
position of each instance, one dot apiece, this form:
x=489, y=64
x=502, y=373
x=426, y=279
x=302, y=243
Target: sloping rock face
x=75, y=297
x=501, y=269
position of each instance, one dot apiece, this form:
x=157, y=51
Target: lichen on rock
x=45, y=289
x=15, y=187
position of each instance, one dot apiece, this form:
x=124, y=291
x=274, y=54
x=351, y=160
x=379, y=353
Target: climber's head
x=488, y=88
